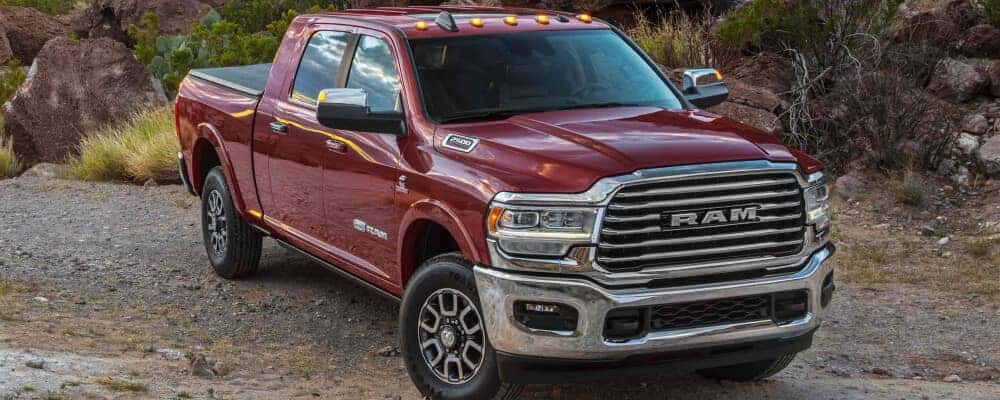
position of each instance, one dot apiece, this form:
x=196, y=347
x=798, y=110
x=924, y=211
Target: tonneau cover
x=249, y=79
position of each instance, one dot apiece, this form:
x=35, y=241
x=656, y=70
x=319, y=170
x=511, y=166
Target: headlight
x=817, y=198
x=540, y=231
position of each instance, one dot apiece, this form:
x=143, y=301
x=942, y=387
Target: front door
x=362, y=171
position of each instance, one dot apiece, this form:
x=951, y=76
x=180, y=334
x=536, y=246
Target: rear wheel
x=233, y=245
x=750, y=371
x=444, y=341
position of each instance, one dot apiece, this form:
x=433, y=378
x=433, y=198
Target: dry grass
x=119, y=385
x=144, y=148
x=679, y=40
x=911, y=189
x=9, y=165
x=303, y=361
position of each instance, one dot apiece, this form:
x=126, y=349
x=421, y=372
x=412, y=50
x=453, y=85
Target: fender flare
x=429, y=210
x=211, y=134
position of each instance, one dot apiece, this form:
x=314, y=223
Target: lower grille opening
x=628, y=323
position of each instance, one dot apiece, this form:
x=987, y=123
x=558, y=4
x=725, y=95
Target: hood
x=567, y=151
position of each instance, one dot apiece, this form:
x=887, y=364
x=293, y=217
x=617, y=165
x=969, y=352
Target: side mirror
x=347, y=109
x=704, y=87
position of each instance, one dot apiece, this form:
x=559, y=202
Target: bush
x=9, y=165
x=990, y=10
x=680, y=40
x=143, y=148
x=52, y=7
x=911, y=190
x=248, y=32
x=11, y=78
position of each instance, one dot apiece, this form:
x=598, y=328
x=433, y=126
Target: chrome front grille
x=637, y=232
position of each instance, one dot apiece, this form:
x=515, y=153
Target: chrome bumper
x=498, y=290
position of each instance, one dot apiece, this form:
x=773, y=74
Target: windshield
x=472, y=78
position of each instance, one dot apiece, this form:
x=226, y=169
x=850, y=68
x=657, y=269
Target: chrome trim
x=498, y=290
x=601, y=193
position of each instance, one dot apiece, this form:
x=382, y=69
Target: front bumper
x=498, y=290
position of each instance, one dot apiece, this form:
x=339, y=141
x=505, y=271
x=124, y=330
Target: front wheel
x=751, y=371
x=233, y=245
x=444, y=341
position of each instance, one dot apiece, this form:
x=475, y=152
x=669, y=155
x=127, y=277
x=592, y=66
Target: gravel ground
x=110, y=282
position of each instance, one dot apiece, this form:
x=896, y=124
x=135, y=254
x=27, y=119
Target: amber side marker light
x=421, y=26
x=494, y=218
x=477, y=22
x=510, y=20
x=542, y=19
x=585, y=18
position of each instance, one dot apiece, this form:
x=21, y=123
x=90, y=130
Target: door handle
x=279, y=128
x=336, y=146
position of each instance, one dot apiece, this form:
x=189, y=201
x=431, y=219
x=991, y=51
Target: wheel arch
x=208, y=151
x=425, y=230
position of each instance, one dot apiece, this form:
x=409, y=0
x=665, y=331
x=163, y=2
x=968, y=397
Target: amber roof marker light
x=585, y=18
x=477, y=22
x=421, y=26
x=510, y=20
x=542, y=19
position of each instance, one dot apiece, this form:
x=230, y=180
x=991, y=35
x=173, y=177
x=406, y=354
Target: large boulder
x=27, y=30
x=75, y=87
x=956, y=81
x=111, y=18
x=994, y=75
x=989, y=156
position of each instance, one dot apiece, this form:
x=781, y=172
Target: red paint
x=310, y=192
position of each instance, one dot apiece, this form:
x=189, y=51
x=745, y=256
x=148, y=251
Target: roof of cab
x=406, y=19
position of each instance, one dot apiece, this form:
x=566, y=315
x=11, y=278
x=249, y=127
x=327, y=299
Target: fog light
x=622, y=325
x=546, y=316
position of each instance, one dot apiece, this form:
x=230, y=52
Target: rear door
x=296, y=144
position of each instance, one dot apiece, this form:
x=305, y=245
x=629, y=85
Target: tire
x=753, y=371
x=449, y=276
x=233, y=245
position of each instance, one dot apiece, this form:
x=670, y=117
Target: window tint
x=320, y=62
x=374, y=71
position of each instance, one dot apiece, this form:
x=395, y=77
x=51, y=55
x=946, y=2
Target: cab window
x=319, y=65
x=374, y=71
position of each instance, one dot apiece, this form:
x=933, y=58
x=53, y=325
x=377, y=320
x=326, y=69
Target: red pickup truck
x=544, y=202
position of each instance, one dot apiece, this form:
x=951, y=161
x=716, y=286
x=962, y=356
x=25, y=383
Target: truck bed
x=249, y=79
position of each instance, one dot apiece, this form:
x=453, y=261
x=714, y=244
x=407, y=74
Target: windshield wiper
x=478, y=115
x=604, y=105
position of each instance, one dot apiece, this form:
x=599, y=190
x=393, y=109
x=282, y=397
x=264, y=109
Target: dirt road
x=105, y=292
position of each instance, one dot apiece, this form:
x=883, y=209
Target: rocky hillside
x=865, y=85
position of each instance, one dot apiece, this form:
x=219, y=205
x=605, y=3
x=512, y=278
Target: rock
x=989, y=156
x=171, y=354
x=150, y=183
x=755, y=96
x=200, y=367
x=881, y=371
x=755, y=117
x=5, y=51
x=982, y=40
x=943, y=241
x=388, y=351
x=994, y=75
x=967, y=143
x=111, y=18
x=849, y=187
x=953, y=378
x=221, y=369
x=976, y=124
x=961, y=177
x=76, y=87
x=946, y=167
x=956, y=81
x=41, y=299
x=44, y=170
x=35, y=363
x=27, y=30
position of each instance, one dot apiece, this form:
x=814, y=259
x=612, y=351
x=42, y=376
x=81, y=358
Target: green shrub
x=990, y=10
x=46, y=6
x=11, y=78
x=141, y=149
